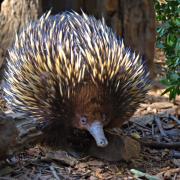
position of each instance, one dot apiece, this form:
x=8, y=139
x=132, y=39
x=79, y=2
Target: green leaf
x=165, y=82
x=168, y=40
x=171, y=40
x=159, y=45
x=174, y=77
x=172, y=94
x=177, y=21
x=161, y=31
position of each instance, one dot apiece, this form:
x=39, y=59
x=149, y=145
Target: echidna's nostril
x=103, y=142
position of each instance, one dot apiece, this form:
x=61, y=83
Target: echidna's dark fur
x=58, y=63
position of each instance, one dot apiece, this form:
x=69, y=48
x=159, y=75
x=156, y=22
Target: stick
x=174, y=118
x=158, y=145
x=54, y=173
x=158, y=122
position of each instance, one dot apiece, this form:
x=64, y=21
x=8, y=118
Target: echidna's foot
x=120, y=147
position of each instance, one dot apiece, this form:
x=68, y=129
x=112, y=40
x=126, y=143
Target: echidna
x=72, y=69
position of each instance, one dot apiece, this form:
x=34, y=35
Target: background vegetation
x=168, y=39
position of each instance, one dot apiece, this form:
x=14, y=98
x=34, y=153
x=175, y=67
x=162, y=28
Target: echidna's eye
x=83, y=120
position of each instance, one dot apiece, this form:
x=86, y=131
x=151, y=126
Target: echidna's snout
x=96, y=130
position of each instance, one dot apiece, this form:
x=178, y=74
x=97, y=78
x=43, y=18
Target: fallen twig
x=158, y=145
x=168, y=173
x=174, y=118
x=139, y=174
x=176, y=154
x=158, y=122
x=148, y=129
x=54, y=173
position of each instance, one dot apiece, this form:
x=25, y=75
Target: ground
x=156, y=123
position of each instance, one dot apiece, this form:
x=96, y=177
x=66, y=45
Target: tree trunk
x=15, y=14
x=131, y=19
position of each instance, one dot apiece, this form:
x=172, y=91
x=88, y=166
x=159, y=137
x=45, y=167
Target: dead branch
x=158, y=145
x=158, y=122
